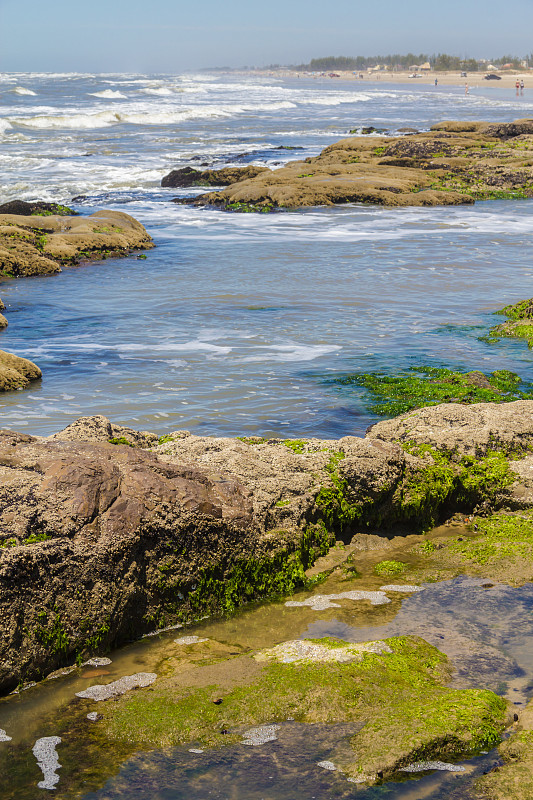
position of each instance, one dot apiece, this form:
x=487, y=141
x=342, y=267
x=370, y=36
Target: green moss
x=166, y=439
x=222, y=589
x=51, y=633
x=36, y=537
x=120, y=440
x=56, y=210
x=502, y=537
x=338, y=512
x=283, y=503
x=384, y=568
x=401, y=696
x=519, y=324
x=296, y=445
x=249, y=208
x=427, y=386
x=252, y=439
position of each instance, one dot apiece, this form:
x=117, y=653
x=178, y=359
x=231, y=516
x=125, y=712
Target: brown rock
x=187, y=176
x=31, y=245
x=454, y=163
x=463, y=429
x=16, y=372
x=3, y=322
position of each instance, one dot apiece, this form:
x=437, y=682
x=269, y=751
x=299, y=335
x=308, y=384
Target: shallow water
x=487, y=631
x=236, y=323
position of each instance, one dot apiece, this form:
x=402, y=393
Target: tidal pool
x=485, y=628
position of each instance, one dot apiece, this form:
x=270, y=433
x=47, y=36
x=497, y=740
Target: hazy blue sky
x=169, y=35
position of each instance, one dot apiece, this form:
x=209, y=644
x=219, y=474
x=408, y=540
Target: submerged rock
x=107, y=691
x=393, y=693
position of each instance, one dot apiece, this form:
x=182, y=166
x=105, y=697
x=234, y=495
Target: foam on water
x=109, y=94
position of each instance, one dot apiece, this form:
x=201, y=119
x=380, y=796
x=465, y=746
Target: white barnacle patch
x=401, y=587
x=260, y=735
x=190, y=640
x=44, y=751
x=195, y=750
x=304, y=650
x=424, y=766
x=320, y=602
x=123, y=685
x=94, y=716
x=327, y=765
x=4, y=737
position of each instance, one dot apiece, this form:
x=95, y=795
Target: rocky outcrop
x=106, y=532
x=40, y=245
x=16, y=372
x=463, y=429
x=187, y=176
x=454, y=163
x=37, y=208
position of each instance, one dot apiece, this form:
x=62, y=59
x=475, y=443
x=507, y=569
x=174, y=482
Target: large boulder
x=38, y=245
x=188, y=176
x=16, y=372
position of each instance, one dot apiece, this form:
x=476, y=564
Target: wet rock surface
x=188, y=176
x=40, y=245
x=16, y=372
x=454, y=163
x=106, y=535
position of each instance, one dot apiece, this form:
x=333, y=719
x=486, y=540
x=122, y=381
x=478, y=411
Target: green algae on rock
x=426, y=386
x=452, y=164
x=161, y=533
x=514, y=779
x=518, y=326
x=394, y=689
x=40, y=245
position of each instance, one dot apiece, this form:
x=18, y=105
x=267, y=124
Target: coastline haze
x=169, y=37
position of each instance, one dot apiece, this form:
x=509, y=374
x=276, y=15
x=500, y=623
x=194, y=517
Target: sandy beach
x=473, y=79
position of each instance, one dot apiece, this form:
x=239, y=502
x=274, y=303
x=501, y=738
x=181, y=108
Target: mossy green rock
x=394, y=690
x=453, y=164
x=428, y=386
x=518, y=326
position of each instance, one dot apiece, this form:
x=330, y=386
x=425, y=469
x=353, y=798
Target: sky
x=173, y=35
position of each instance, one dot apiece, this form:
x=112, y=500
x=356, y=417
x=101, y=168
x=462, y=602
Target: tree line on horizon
x=439, y=62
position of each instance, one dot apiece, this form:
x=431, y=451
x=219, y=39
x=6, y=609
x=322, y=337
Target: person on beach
x=436, y=81
x=517, y=87
x=522, y=86
x=466, y=88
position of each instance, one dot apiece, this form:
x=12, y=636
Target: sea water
x=241, y=323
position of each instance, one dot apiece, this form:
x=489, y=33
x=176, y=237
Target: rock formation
x=39, y=245
x=454, y=163
x=106, y=533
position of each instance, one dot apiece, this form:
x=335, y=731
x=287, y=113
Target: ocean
x=241, y=324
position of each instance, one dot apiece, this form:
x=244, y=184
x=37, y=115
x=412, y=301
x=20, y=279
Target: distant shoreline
x=451, y=78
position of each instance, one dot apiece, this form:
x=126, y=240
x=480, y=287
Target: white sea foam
x=44, y=751
x=109, y=94
x=22, y=90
